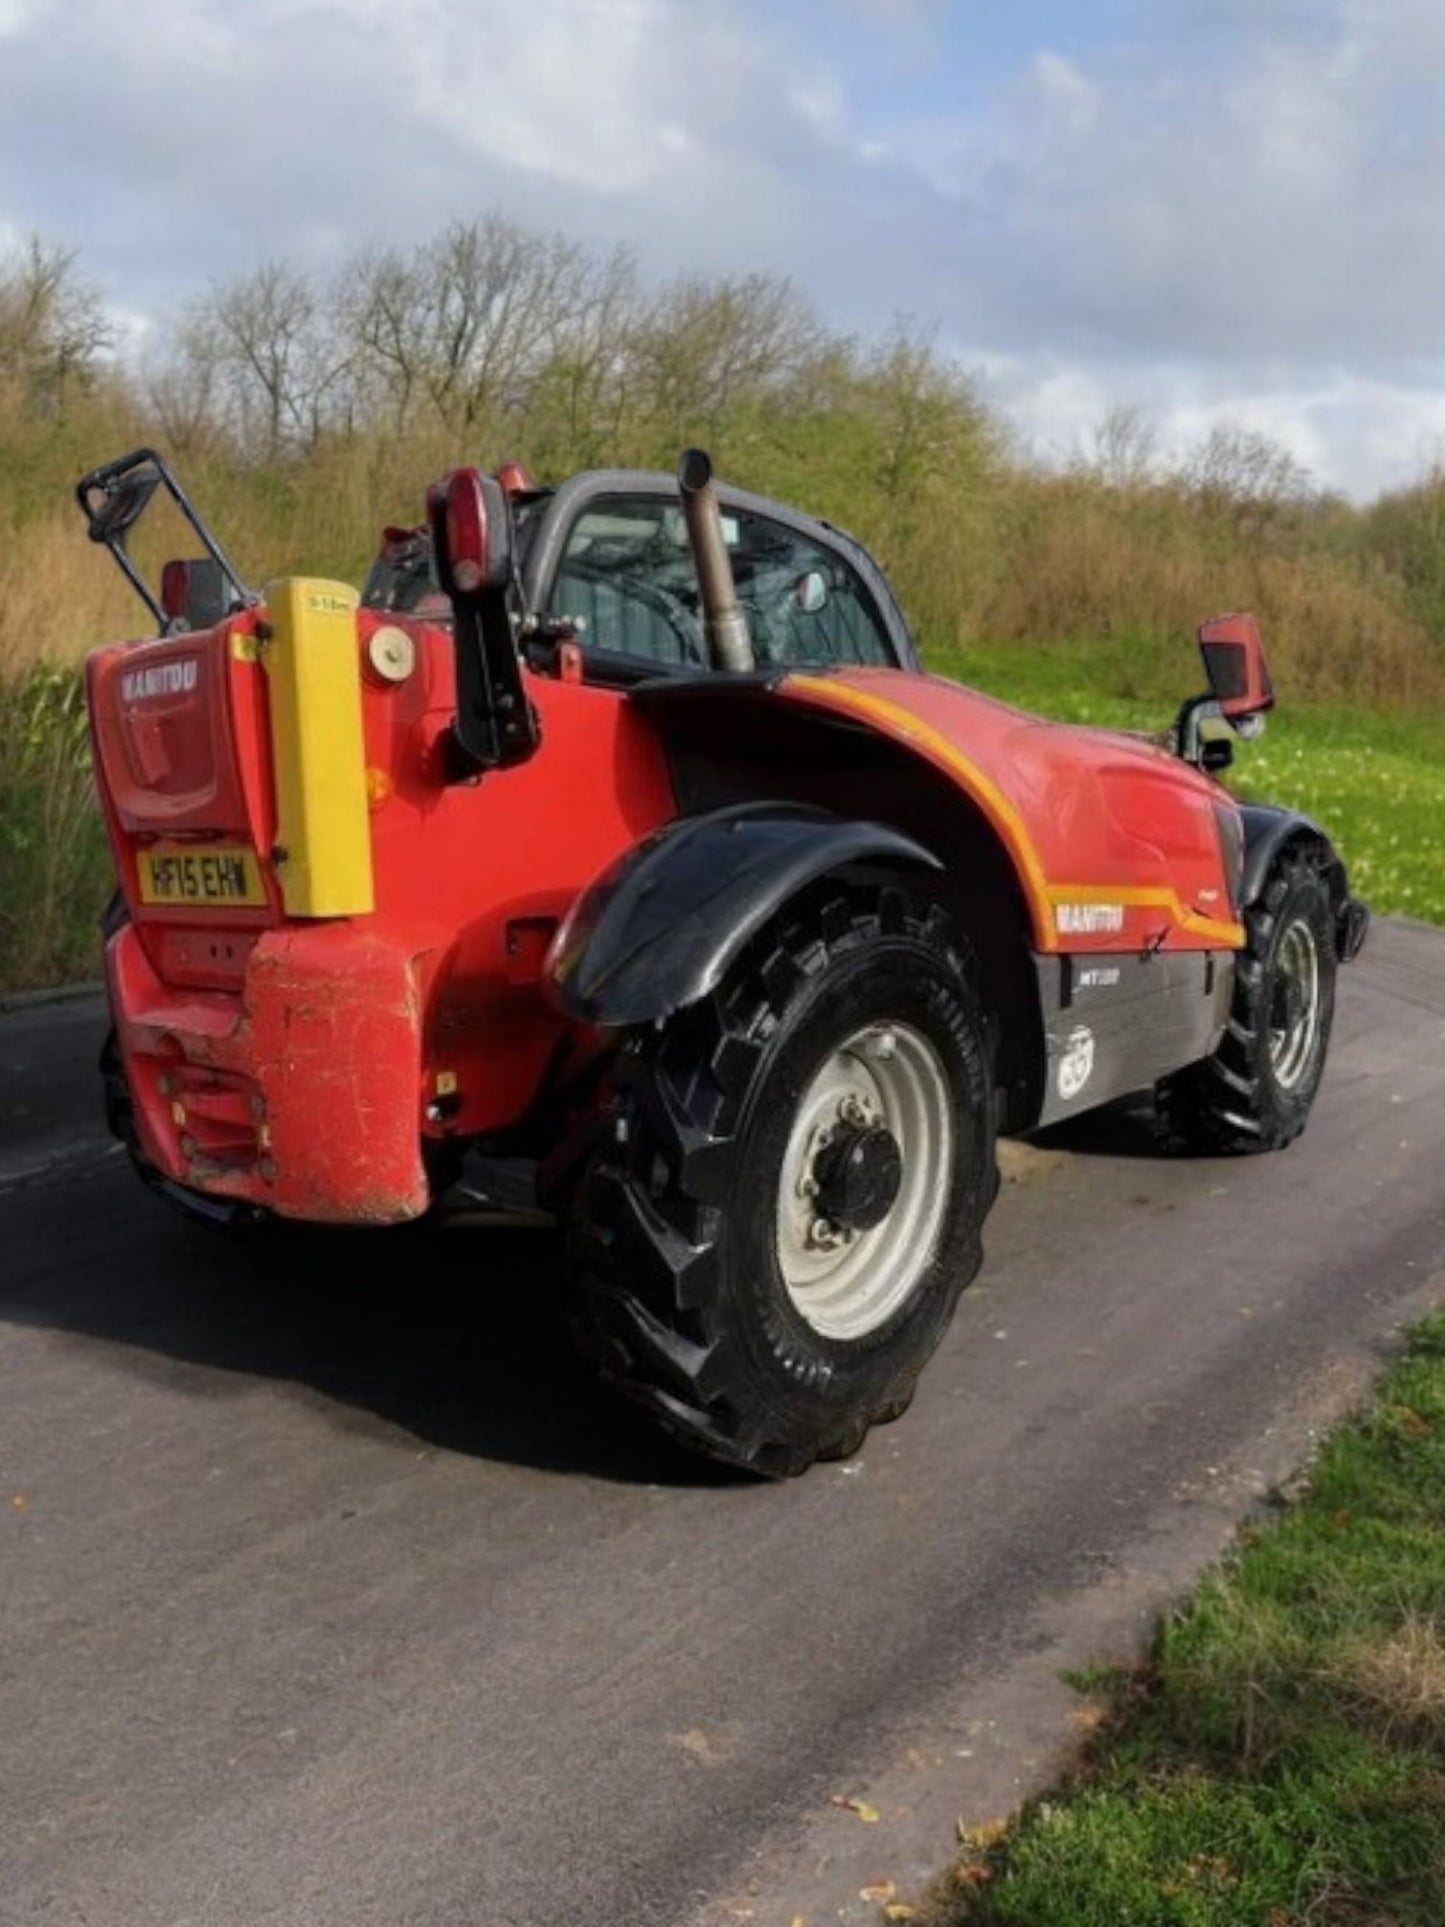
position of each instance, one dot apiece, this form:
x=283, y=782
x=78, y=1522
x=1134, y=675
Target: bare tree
x=1125, y=451
x=469, y=325
x=269, y=349
x=53, y=327
x=706, y=344
x=1239, y=476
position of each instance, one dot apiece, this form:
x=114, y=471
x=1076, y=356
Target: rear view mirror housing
x=112, y=512
x=1235, y=666
x=1240, y=692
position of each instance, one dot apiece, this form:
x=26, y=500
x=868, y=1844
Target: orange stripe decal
x=1043, y=897
x=995, y=805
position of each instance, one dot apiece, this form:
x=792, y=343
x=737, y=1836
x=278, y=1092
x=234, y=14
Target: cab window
x=626, y=577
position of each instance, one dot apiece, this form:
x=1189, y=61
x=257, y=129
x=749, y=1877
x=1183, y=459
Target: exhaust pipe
x=729, y=646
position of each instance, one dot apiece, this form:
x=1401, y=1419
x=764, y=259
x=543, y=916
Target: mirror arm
x=1194, y=742
x=106, y=479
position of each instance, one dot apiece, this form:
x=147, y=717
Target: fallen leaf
x=850, y=1805
x=879, y=1893
x=986, y=1834
x=797, y=1921
x=900, y=1910
x=1410, y=1422
x=19, y=1502
x=1087, y=1719
x=972, y=1873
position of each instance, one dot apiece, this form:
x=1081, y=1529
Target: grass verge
x=55, y=871
x=1374, y=778
x=1280, y=1759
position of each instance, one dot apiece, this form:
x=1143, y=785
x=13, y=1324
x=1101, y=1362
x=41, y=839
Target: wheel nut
x=883, y=1044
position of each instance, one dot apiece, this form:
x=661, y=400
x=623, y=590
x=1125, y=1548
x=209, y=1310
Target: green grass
x=1281, y=1758
x=1375, y=779
x=55, y=872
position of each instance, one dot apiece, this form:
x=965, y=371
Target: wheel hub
x=864, y=1179
x=859, y=1175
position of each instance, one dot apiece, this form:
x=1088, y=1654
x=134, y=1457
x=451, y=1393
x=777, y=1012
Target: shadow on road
x=457, y=1334
x=1125, y=1129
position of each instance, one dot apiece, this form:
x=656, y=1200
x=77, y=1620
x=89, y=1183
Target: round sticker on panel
x=1076, y=1066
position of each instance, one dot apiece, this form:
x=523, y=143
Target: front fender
x=1268, y=832
x=658, y=929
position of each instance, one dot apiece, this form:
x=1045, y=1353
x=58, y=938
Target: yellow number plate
x=220, y=874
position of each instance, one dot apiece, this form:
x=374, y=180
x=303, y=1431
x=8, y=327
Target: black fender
x=658, y=929
x=1268, y=831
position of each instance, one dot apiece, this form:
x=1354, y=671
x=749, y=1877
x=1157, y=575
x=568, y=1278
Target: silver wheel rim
x=846, y=1283
x=1294, y=1018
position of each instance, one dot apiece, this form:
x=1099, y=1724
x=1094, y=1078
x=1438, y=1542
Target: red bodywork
x=303, y=1065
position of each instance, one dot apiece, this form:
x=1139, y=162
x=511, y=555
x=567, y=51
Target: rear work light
x=471, y=531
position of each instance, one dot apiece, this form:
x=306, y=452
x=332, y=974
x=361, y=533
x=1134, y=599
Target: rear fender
x=658, y=930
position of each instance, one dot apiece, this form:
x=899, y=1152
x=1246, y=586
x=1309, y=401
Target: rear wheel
x=1255, y=1093
x=772, y=1242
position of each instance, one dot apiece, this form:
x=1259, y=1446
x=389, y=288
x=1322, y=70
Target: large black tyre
x=1255, y=1093
x=691, y=1251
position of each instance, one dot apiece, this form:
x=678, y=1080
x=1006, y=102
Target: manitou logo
x=165, y=679
x=1089, y=919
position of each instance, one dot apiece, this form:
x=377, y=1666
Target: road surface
x=333, y=1595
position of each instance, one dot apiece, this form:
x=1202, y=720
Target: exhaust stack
x=729, y=646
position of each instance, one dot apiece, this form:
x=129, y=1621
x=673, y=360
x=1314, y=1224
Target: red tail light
x=175, y=589
x=470, y=531
x=467, y=530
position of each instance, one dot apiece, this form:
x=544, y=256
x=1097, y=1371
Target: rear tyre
x=1255, y=1093
x=792, y=1181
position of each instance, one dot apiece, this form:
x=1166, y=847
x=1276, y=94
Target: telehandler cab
x=616, y=829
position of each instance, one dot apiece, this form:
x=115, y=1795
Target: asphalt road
x=332, y=1595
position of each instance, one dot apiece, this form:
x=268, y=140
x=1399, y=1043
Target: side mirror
x=811, y=592
x=113, y=508
x=1235, y=666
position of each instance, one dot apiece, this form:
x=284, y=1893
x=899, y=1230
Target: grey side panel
x=1115, y=1024
x=658, y=930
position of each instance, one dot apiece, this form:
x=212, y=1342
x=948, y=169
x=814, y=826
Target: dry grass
x=1397, y=1682
x=59, y=596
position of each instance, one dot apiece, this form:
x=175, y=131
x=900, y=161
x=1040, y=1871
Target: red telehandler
x=615, y=832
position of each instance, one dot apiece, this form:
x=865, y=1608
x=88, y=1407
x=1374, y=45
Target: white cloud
x=1238, y=214
x=17, y=16
x=1066, y=91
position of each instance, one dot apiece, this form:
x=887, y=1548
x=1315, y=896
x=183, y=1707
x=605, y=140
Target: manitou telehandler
x=614, y=828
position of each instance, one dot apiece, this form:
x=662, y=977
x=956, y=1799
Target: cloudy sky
x=1204, y=208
